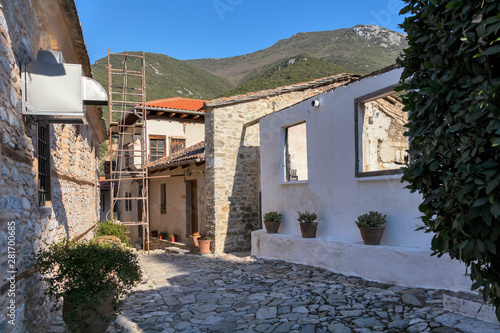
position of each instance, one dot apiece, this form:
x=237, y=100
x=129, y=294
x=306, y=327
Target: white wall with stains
x=338, y=197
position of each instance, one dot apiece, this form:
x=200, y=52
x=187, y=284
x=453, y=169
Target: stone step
x=176, y=250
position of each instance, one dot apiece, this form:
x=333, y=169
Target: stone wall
x=232, y=166
x=74, y=173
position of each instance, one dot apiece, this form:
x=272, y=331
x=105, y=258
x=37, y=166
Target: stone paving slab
x=228, y=293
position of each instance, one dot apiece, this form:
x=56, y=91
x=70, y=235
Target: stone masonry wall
x=233, y=167
x=74, y=172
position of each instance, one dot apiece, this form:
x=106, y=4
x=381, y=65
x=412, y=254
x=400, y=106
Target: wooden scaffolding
x=128, y=136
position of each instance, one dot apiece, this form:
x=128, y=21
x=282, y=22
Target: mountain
x=299, y=68
x=362, y=50
x=302, y=57
x=169, y=77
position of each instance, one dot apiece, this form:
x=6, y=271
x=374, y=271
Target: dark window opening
x=163, y=198
x=43, y=154
x=128, y=203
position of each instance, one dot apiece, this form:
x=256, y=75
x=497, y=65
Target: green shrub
x=113, y=228
x=452, y=79
x=307, y=217
x=371, y=219
x=86, y=271
x=273, y=217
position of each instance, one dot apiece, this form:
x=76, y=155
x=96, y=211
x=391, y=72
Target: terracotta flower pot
x=309, y=229
x=372, y=235
x=194, y=240
x=204, y=246
x=97, y=325
x=272, y=227
x=162, y=237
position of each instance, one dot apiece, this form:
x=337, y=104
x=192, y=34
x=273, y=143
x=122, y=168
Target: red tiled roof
x=177, y=103
x=189, y=154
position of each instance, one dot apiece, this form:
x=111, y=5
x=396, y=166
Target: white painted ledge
x=470, y=307
x=375, y=178
x=405, y=266
x=295, y=182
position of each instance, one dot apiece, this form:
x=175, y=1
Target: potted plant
x=194, y=239
x=272, y=221
x=308, y=226
x=371, y=228
x=173, y=237
x=154, y=233
x=204, y=244
x=163, y=208
x=91, y=276
x=162, y=235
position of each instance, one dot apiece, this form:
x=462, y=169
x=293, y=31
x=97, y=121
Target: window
x=163, y=199
x=177, y=144
x=43, y=154
x=380, y=142
x=296, y=153
x=156, y=147
x=103, y=202
x=128, y=203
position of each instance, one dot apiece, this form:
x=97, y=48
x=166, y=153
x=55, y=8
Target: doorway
x=191, y=207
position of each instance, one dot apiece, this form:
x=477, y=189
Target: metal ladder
x=127, y=123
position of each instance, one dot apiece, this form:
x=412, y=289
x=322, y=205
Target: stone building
x=49, y=172
x=232, y=157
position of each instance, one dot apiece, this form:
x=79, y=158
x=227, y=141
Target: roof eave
x=176, y=164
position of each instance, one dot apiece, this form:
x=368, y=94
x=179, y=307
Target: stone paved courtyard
x=191, y=293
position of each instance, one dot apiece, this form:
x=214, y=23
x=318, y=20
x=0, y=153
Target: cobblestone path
x=190, y=293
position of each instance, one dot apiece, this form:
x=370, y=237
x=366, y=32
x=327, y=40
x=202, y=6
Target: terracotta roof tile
x=194, y=152
x=177, y=103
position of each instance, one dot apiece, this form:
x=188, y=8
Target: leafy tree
x=451, y=68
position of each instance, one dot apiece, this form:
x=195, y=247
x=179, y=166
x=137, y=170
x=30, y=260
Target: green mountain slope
x=361, y=50
x=169, y=77
x=299, y=68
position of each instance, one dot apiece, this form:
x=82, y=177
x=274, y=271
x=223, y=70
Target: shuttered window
x=177, y=144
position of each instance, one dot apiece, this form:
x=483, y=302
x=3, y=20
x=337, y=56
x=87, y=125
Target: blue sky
x=191, y=29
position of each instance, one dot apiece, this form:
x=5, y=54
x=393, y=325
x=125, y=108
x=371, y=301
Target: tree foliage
x=452, y=75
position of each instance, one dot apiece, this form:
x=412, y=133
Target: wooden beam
x=184, y=166
x=184, y=115
x=172, y=114
x=160, y=113
x=196, y=117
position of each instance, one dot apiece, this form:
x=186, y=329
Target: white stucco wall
x=334, y=192
x=174, y=221
x=193, y=132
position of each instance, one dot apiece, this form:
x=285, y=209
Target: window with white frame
x=295, y=155
x=381, y=146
